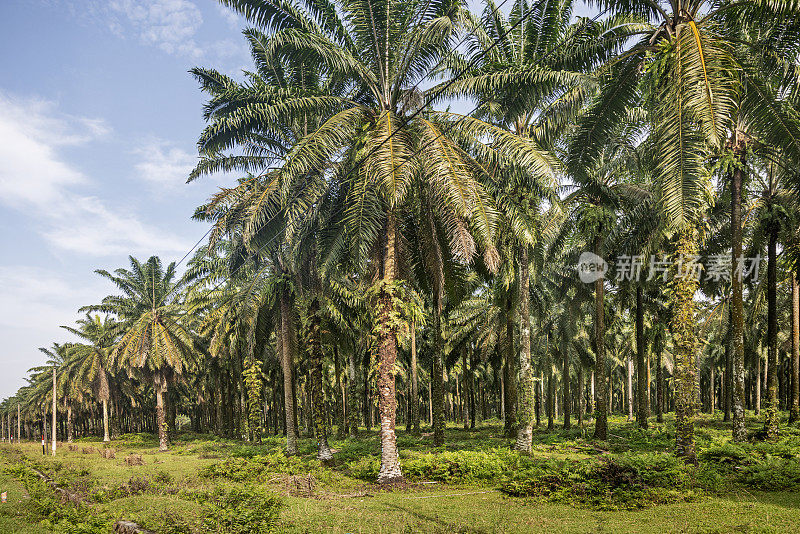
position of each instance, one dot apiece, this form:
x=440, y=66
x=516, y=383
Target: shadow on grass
x=446, y=526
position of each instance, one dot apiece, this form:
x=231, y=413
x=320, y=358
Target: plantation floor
x=467, y=512
x=15, y=514
x=342, y=500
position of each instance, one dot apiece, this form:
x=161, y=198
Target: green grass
x=454, y=488
x=15, y=514
x=492, y=513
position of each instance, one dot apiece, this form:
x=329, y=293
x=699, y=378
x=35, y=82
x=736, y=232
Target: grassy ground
x=15, y=514
x=449, y=490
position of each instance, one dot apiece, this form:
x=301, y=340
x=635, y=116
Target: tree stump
x=129, y=527
x=134, y=459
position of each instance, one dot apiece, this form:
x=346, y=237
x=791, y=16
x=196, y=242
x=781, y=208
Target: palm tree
x=364, y=150
x=42, y=385
x=595, y=201
x=762, y=124
x=91, y=362
x=773, y=208
x=793, y=240
x=529, y=82
x=153, y=340
x=683, y=69
x=253, y=116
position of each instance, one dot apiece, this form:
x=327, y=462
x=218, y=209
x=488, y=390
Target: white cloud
x=175, y=27
x=38, y=118
x=231, y=17
x=164, y=165
x=34, y=297
x=94, y=229
x=37, y=181
x=36, y=301
x=31, y=172
x=225, y=49
x=168, y=24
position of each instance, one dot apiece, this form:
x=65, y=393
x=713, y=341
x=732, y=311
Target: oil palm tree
x=597, y=200
x=763, y=127
x=773, y=212
x=250, y=130
x=532, y=80
x=365, y=148
x=153, y=339
x=92, y=361
x=683, y=68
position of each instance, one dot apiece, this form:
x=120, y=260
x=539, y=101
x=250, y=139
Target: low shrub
x=725, y=455
x=104, y=495
x=772, y=474
x=241, y=510
x=240, y=469
x=171, y=522
x=462, y=466
x=458, y=467
x=625, y=482
x=138, y=485
x=56, y=515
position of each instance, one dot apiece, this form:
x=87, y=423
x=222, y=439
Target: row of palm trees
x=368, y=215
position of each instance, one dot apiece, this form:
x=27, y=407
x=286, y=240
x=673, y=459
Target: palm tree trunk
x=550, y=405
x=437, y=379
x=218, y=408
x=387, y=359
x=601, y=408
x=288, y=374
x=565, y=387
x=643, y=374
x=341, y=421
x=737, y=303
x=794, y=403
x=509, y=376
x=105, y=421
x=69, y=425
x=712, y=392
x=471, y=389
x=54, y=413
x=502, y=397
x=538, y=402
x=525, y=407
x=317, y=393
x=629, y=385
x=727, y=378
x=758, y=382
x=465, y=387
x=771, y=410
x=430, y=403
x=685, y=343
x=161, y=388
x=352, y=389
x=414, y=380
x=253, y=385
x=581, y=392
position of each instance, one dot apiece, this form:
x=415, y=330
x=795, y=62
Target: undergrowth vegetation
x=208, y=486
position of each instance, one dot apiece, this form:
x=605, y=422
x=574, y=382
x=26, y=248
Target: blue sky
x=98, y=122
